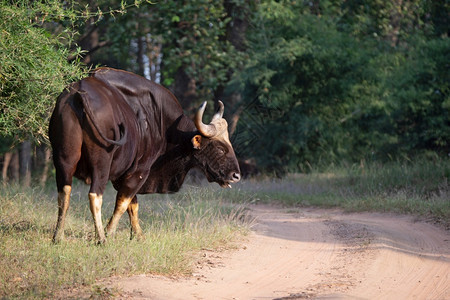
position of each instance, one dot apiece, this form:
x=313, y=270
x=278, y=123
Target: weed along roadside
x=177, y=227
x=421, y=188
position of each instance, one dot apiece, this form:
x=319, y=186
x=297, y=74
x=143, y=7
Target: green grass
x=176, y=228
x=420, y=188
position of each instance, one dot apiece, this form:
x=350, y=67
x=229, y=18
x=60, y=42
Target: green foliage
x=119, y=23
x=193, y=34
x=317, y=82
x=418, y=187
x=33, y=71
x=35, y=38
x=393, y=21
x=420, y=91
x=308, y=80
x=316, y=92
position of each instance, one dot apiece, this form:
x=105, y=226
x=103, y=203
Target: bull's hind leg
x=66, y=138
x=63, y=206
x=132, y=210
x=95, y=204
x=66, y=155
x=98, y=185
x=122, y=203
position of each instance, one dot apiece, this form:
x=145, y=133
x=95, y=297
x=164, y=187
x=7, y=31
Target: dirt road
x=316, y=254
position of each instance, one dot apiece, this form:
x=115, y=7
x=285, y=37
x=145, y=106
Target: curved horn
x=206, y=130
x=219, y=114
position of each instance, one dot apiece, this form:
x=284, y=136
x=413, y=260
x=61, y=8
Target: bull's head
x=213, y=151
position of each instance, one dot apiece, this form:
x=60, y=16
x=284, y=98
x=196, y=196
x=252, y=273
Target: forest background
x=306, y=84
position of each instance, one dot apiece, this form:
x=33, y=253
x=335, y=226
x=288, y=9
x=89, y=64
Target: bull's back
x=78, y=147
x=140, y=91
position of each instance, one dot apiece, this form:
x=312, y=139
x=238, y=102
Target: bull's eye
x=220, y=151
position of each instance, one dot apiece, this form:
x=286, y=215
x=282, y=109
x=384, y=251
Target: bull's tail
x=90, y=114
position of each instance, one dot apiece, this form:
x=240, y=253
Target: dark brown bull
x=117, y=126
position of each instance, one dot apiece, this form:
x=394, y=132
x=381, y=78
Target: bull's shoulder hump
x=127, y=82
x=134, y=85
x=94, y=88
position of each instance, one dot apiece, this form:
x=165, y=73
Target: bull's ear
x=197, y=141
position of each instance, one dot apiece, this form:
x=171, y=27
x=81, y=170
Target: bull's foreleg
x=63, y=206
x=132, y=210
x=95, y=202
x=122, y=203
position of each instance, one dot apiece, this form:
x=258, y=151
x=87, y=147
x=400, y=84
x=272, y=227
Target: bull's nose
x=236, y=177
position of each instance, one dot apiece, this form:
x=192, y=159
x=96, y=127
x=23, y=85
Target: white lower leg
x=63, y=206
x=136, y=230
x=121, y=206
x=95, y=202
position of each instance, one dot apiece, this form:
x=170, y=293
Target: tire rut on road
x=315, y=254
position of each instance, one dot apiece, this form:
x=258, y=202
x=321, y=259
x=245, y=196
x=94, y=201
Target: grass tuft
x=420, y=188
x=175, y=228
x=178, y=226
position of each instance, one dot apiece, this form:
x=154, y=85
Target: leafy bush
x=302, y=93
x=34, y=70
x=316, y=92
x=420, y=91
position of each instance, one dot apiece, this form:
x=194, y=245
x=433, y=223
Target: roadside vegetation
x=420, y=188
x=306, y=84
x=177, y=227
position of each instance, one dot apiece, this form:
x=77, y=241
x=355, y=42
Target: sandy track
x=318, y=254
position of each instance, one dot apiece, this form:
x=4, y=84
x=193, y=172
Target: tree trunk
x=236, y=35
x=6, y=161
x=42, y=163
x=237, y=27
x=395, y=23
x=140, y=55
x=14, y=167
x=25, y=163
x=154, y=58
x=185, y=89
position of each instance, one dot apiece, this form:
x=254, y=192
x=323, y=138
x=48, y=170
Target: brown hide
x=117, y=126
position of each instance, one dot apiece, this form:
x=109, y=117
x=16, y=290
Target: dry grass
x=176, y=227
x=419, y=188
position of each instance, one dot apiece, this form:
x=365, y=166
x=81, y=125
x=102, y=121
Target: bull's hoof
x=139, y=237
x=100, y=242
x=56, y=241
x=57, y=238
